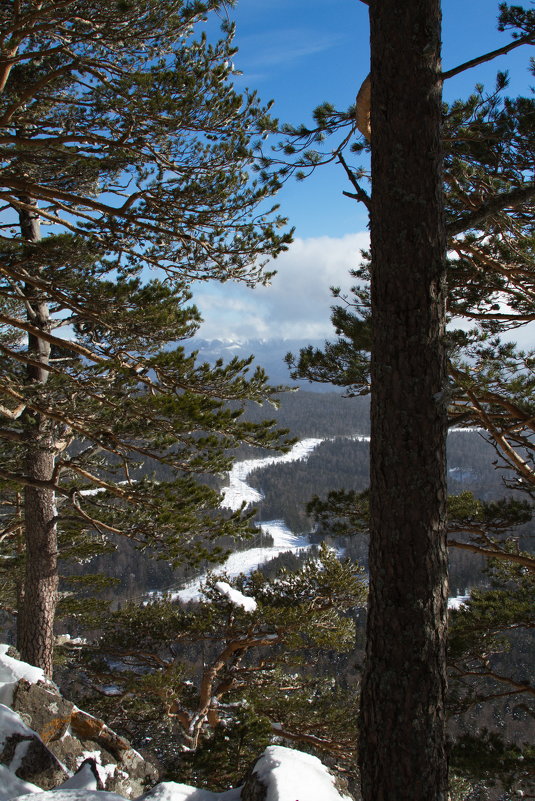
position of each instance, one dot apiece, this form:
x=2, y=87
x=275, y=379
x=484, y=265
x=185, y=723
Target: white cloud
x=295, y=305
x=284, y=46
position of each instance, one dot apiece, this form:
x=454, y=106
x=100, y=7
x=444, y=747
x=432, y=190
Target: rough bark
x=402, y=752
x=36, y=616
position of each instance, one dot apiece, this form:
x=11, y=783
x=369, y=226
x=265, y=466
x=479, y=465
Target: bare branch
x=13, y=414
x=522, y=687
x=505, y=448
x=360, y=194
x=100, y=483
x=26, y=481
x=528, y=39
x=302, y=737
x=13, y=436
x=97, y=524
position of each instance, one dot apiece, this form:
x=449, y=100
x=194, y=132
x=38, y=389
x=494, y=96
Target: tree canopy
x=124, y=148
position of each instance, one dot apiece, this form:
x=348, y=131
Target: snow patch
x=21, y=749
x=104, y=771
x=239, y=491
x=458, y=601
x=246, y=561
x=11, y=670
x=290, y=775
x=11, y=786
x=72, y=795
x=84, y=779
x=235, y=596
x=173, y=791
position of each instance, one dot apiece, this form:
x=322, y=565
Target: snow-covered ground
x=291, y=775
x=11, y=670
x=247, y=561
x=238, y=491
x=287, y=775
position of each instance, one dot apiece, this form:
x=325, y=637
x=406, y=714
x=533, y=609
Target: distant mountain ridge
x=268, y=353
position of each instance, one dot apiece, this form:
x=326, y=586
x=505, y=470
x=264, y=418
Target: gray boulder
x=43, y=709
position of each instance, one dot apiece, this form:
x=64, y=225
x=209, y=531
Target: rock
x=253, y=788
x=137, y=776
x=43, y=709
x=68, y=737
x=23, y=752
x=30, y=760
x=87, y=727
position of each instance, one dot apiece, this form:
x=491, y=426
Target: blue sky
x=301, y=53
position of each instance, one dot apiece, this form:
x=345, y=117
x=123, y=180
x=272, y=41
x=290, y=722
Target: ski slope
x=238, y=491
x=247, y=561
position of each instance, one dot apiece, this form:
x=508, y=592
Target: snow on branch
x=235, y=596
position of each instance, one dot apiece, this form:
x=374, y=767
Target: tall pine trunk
x=36, y=616
x=402, y=751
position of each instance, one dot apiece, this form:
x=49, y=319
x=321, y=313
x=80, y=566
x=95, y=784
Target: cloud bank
x=297, y=303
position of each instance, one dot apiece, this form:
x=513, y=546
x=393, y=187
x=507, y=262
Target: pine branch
x=26, y=96
x=489, y=553
x=74, y=346
x=40, y=283
x=528, y=39
x=501, y=442
x=513, y=409
x=41, y=192
x=498, y=203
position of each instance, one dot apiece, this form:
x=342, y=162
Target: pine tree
x=489, y=194
x=122, y=133
x=490, y=279
x=196, y=677
x=402, y=704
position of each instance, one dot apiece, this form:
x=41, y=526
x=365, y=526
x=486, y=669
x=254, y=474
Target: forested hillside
x=340, y=462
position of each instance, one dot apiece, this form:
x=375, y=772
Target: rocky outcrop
x=47, y=743
x=54, y=738
x=23, y=752
x=43, y=709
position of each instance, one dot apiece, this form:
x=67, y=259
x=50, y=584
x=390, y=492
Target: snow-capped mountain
x=268, y=353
